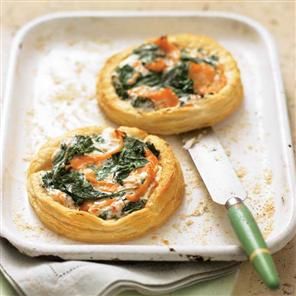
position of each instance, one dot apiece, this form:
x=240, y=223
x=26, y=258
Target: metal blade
x=214, y=167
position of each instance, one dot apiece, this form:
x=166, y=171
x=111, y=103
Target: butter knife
x=226, y=189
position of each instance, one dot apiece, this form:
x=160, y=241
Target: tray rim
x=233, y=251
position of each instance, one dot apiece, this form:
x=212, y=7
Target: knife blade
x=215, y=168
x=225, y=188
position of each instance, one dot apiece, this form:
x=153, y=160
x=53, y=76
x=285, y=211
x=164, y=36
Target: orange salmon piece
x=218, y=83
x=163, y=98
x=60, y=199
x=156, y=66
x=79, y=162
x=164, y=44
x=169, y=48
x=203, y=76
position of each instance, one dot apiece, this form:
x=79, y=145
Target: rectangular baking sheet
x=51, y=89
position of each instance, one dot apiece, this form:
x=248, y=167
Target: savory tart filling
x=109, y=175
x=160, y=74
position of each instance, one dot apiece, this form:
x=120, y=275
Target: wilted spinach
x=177, y=78
x=152, y=148
x=121, y=80
x=147, y=53
x=121, y=164
x=211, y=60
x=73, y=183
x=141, y=102
x=134, y=206
x=150, y=79
x=80, y=145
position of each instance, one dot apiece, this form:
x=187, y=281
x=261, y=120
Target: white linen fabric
x=53, y=277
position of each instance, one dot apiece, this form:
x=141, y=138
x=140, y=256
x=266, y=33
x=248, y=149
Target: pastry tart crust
x=83, y=226
x=173, y=120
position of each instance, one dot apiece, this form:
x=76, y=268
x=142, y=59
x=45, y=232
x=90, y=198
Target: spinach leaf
x=211, y=60
x=75, y=185
x=121, y=82
x=177, y=78
x=145, y=47
x=121, y=164
x=134, y=206
x=152, y=148
x=120, y=89
x=60, y=155
x=130, y=158
x=147, y=53
x=141, y=102
x=125, y=73
x=105, y=170
x=213, y=57
x=47, y=180
x=80, y=145
x=133, y=148
x=151, y=79
x=188, y=58
x=104, y=215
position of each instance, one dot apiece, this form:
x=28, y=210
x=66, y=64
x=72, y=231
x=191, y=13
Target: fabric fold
x=41, y=276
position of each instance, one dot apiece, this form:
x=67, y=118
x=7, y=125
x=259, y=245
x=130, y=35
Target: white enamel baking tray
x=51, y=88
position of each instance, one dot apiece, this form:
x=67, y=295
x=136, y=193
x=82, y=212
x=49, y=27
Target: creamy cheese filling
x=108, y=143
x=61, y=197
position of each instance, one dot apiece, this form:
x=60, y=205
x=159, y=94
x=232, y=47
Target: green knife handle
x=252, y=241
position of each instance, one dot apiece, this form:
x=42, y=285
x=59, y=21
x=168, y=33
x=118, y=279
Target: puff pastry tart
x=105, y=185
x=170, y=85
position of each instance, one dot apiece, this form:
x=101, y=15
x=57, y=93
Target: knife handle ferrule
x=232, y=201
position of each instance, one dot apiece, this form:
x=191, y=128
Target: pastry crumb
x=200, y=210
x=268, y=177
x=241, y=172
x=182, y=217
x=257, y=189
x=165, y=241
x=288, y=289
x=189, y=222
